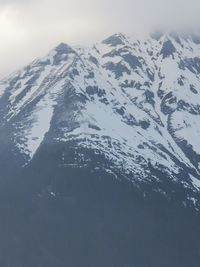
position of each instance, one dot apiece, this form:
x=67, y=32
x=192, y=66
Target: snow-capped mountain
x=126, y=107
x=100, y=156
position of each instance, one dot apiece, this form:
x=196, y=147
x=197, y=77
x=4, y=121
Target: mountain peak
x=64, y=48
x=115, y=39
x=62, y=52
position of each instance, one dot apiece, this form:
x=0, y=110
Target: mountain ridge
x=100, y=158
x=128, y=80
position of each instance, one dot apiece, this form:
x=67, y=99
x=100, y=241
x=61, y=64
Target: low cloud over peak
x=29, y=28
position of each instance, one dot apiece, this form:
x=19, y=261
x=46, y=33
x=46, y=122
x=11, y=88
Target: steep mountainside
x=121, y=121
x=134, y=104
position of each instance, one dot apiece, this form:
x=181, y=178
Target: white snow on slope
x=127, y=93
x=40, y=121
x=187, y=127
x=195, y=182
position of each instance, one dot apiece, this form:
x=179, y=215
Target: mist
x=30, y=28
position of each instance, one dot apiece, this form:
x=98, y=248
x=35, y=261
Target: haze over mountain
x=30, y=28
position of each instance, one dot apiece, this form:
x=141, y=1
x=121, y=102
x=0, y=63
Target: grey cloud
x=29, y=28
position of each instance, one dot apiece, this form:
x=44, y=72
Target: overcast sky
x=30, y=28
